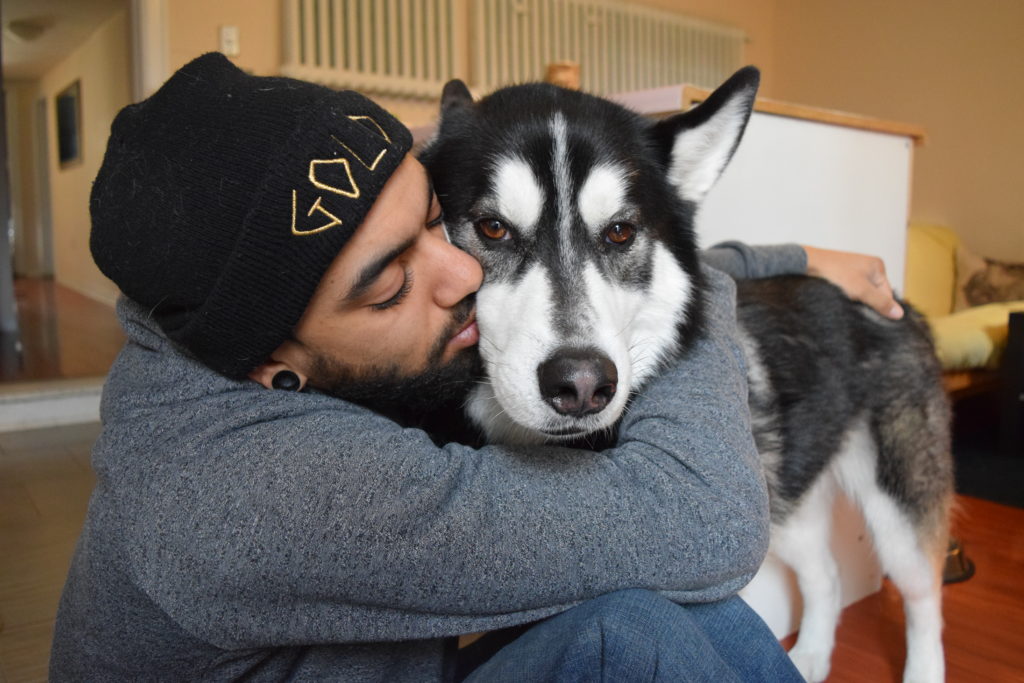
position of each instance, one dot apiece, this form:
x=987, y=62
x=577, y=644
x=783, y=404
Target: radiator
x=619, y=46
x=412, y=47
x=388, y=47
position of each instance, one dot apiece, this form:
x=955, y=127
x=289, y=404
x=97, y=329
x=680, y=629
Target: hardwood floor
x=45, y=481
x=63, y=335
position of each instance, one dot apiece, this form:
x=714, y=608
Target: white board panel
x=793, y=180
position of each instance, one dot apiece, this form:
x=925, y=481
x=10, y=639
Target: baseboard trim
x=36, y=405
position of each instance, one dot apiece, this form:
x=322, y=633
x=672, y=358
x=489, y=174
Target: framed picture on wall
x=69, y=124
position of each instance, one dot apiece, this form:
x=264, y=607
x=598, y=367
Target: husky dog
x=582, y=214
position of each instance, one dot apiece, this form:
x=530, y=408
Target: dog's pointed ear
x=698, y=144
x=455, y=96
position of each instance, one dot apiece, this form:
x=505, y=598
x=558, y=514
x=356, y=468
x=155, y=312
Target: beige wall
x=955, y=67
x=193, y=28
x=102, y=65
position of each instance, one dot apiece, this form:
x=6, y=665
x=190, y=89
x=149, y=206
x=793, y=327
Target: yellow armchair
x=970, y=342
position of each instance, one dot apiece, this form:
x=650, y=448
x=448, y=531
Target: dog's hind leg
x=916, y=570
x=802, y=542
x=910, y=535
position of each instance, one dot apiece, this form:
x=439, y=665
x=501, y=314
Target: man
x=279, y=251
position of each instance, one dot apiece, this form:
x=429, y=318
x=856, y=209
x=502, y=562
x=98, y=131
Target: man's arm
x=860, y=276
x=744, y=262
x=312, y=520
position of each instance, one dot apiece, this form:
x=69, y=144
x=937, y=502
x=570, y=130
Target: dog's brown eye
x=619, y=233
x=492, y=229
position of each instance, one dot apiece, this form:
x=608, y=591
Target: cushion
x=973, y=338
x=983, y=281
x=931, y=268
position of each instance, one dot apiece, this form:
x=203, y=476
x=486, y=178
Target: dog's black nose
x=577, y=381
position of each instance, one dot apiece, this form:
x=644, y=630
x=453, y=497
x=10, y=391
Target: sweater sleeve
x=307, y=519
x=743, y=262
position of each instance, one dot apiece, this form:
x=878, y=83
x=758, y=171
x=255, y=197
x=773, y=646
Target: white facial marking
x=519, y=196
x=602, y=196
x=699, y=155
x=653, y=334
x=516, y=337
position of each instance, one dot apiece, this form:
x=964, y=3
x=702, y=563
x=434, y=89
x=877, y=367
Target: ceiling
x=37, y=34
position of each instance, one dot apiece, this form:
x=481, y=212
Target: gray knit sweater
x=236, y=532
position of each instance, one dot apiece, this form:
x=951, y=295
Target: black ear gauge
x=286, y=380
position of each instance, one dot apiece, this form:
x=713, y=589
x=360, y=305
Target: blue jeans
x=636, y=635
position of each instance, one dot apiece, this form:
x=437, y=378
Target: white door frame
x=149, y=46
x=44, y=223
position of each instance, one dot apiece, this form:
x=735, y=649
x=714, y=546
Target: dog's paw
x=813, y=665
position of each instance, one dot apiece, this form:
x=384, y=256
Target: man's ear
x=698, y=144
x=287, y=356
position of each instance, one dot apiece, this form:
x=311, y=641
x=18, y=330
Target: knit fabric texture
x=224, y=197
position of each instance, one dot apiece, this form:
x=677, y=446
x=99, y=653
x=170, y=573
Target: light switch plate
x=229, y=41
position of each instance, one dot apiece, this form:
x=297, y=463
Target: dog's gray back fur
x=818, y=362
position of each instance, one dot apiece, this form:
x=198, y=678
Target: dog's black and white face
x=581, y=214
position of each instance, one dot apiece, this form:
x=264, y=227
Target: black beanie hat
x=224, y=197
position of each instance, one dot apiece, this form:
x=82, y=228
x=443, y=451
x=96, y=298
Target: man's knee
x=626, y=633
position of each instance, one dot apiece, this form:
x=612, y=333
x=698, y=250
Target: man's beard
x=432, y=399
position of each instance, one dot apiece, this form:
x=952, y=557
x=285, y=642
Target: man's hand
x=861, y=277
